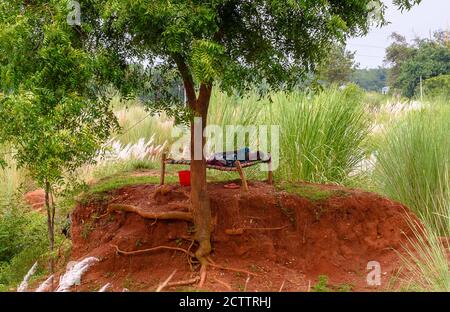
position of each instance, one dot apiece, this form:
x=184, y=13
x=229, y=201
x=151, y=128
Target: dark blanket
x=228, y=159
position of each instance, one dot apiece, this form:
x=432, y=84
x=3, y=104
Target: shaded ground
x=325, y=230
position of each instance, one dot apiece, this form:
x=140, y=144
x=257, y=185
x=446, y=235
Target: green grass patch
x=309, y=191
x=99, y=191
x=324, y=286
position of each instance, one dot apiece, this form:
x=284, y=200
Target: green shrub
x=23, y=241
x=436, y=87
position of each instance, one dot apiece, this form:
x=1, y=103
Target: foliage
x=425, y=258
x=372, y=79
x=222, y=41
x=50, y=112
x=338, y=67
x=396, y=54
x=413, y=165
x=23, y=240
x=438, y=86
x=426, y=58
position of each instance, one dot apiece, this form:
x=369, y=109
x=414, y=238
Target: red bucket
x=184, y=177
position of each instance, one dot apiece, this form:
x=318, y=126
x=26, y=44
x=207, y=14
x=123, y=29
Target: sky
x=429, y=16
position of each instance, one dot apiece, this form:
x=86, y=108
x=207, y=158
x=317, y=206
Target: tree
x=424, y=58
x=370, y=79
x=438, y=86
x=232, y=45
x=338, y=66
x=431, y=59
x=50, y=112
x=396, y=54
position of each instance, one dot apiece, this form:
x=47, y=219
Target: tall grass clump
x=321, y=135
x=137, y=123
x=425, y=257
x=413, y=165
x=234, y=110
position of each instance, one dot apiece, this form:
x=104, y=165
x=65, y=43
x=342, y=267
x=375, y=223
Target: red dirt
x=36, y=199
x=336, y=237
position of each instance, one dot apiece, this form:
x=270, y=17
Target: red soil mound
x=36, y=199
x=285, y=240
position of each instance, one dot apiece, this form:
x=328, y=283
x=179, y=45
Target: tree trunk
x=201, y=209
x=49, y=205
x=199, y=195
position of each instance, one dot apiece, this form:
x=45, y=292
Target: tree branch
x=204, y=97
x=188, y=81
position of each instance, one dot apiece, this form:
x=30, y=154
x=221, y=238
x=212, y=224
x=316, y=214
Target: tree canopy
x=338, y=66
x=424, y=58
x=370, y=79
x=238, y=43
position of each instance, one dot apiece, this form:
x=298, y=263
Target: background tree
x=396, y=54
x=431, y=58
x=338, y=66
x=232, y=45
x=370, y=79
x=50, y=111
x=438, y=86
x=424, y=58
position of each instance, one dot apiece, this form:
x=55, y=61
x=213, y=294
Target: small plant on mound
x=323, y=286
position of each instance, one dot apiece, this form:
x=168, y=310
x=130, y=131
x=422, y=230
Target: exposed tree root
x=190, y=258
x=232, y=269
x=184, y=282
x=136, y=252
x=169, y=215
x=226, y=285
x=203, y=270
x=246, y=283
x=240, y=231
x=164, y=284
x=282, y=286
x=101, y=216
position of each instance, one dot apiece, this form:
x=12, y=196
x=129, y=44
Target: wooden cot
x=239, y=166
